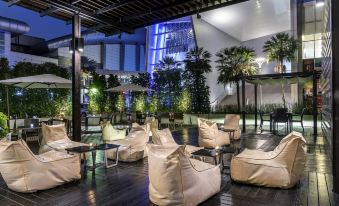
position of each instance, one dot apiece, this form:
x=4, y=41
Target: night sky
x=44, y=27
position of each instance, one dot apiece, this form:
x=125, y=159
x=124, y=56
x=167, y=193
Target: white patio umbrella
x=129, y=88
x=43, y=81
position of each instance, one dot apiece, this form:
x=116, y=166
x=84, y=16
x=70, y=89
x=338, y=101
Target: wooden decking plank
x=322, y=189
x=313, y=199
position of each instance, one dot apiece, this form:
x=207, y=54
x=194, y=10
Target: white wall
x=213, y=40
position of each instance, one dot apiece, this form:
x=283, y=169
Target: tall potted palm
x=281, y=48
x=197, y=63
x=232, y=64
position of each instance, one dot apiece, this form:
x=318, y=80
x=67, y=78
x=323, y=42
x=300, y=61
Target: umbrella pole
x=7, y=99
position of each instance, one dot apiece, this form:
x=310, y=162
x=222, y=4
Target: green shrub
x=3, y=125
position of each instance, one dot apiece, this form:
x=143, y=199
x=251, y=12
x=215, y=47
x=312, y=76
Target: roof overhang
x=112, y=17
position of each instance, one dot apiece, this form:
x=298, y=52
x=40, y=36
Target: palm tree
x=197, y=63
x=167, y=63
x=281, y=48
x=233, y=63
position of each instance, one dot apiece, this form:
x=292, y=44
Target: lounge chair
x=176, y=179
x=54, y=137
x=25, y=172
x=281, y=167
x=231, y=122
x=132, y=148
x=164, y=137
x=210, y=136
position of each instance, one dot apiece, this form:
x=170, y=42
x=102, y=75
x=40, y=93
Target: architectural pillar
x=243, y=107
x=122, y=57
x=255, y=106
x=76, y=80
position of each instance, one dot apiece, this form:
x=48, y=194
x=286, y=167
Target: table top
x=213, y=152
x=106, y=146
x=80, y=149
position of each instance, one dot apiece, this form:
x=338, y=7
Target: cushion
x=52, y=133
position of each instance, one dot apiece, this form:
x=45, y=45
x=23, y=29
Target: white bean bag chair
x=281, y=167
x=210, y=136
x=132, y=148
x=54, y=137
x=231, y=121
x=25, y=172
x=176, y=179
x=109, y=133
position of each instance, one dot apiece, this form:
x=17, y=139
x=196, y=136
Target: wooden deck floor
x=127, y=184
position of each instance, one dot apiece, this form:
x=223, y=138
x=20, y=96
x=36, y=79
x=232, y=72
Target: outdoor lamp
x=320, y=3
x=79, y=45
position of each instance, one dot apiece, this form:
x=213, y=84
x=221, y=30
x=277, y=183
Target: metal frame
x=278, y=76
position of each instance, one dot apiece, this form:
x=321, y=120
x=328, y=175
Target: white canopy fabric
x=48, y=81
x=279, y=81
x=128, y=87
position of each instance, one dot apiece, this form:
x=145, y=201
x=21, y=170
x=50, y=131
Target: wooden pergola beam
x=114, y=6
x=48, y=11
x=12, y=2
x=84, y=14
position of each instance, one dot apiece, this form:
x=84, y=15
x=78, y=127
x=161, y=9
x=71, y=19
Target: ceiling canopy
x=112, y=16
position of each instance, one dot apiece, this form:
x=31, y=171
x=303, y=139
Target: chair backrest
x=14, y=151
x=280, y=114
x=231, y=121
x=140, y=132
x=291, y=152
x=53, y=133
x=153, y=122
x=165, y=175
x=110, y=134
x=208, y=131
x=163, y=137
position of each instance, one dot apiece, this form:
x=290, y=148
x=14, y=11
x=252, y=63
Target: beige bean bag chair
x=109, y=133
x=25, y=172
x=281, y=167
x=176, y=179
x=231, y=121
x=154, y=124
x=164, y=137
x=210, y=136
x=54, y=137
x=132, y=148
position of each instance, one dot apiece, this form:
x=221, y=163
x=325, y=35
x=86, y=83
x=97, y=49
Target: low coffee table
x=215, y=154
x=106, y=147
x=82, y=150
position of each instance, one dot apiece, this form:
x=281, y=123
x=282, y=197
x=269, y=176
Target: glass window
x=2, y=44
x=308, y=50
x=112, y=60
x=130, y=58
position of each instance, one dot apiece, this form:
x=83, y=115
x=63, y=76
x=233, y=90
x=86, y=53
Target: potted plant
x=233, y=63
x=3, y=125
x=281, y=48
